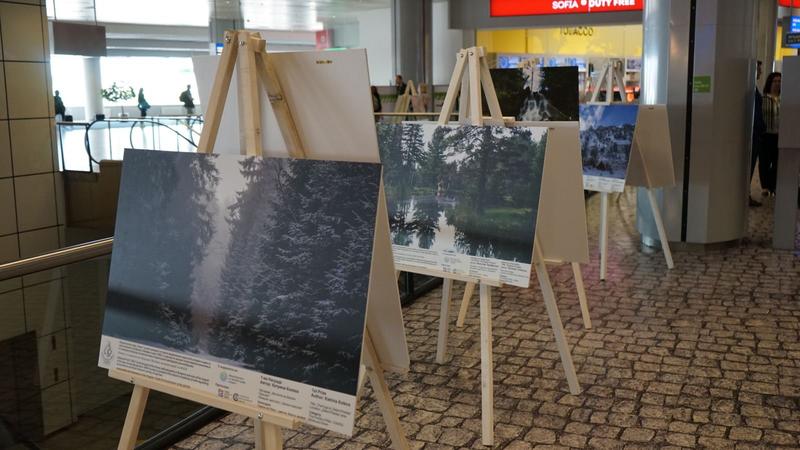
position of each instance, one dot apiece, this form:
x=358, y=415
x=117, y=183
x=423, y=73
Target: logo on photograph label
x=108, y=353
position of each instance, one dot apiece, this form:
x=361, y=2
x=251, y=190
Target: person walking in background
x=376, y=101
x=771, y=108
x=61, y=110
x=758, y=131
x=399, y=85
x=143, y=105
x=187, y=100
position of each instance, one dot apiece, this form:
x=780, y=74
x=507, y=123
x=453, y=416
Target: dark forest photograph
x=259, y=263
x=468, y=189
x=537, y=94
x=606, y=137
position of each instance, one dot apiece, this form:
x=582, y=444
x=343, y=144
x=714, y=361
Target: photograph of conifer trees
x=537, y=94
x=472, y=190
x=259, y=263
x=606, y=137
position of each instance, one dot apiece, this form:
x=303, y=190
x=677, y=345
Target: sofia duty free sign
x=505, y=8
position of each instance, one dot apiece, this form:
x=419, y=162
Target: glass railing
x=52, y=394
x=82, y=145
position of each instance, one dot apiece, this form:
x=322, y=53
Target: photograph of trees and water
x=472, y=190
x=606, y=139
x=540, y=94
x=259, y=263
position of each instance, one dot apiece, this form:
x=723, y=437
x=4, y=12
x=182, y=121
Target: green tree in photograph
x=432, y=164
x=477, y=147
x=165, y=199
x=233, y=315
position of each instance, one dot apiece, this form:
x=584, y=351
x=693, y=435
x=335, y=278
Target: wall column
x=412, y=39
x=710, y=131
x=94, y=84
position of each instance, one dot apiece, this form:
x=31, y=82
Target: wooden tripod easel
x=473, y=62
x=612, y=75
x=404, y=100
x=255, y=68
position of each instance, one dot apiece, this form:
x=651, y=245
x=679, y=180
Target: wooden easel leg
x=555, y=321
x=469, y=289
x=362, y=378
x=444, y=319
x=487, y=367
x=576, y=271
x=662, y=233
x=603, y=234
x=384, y=397
x=133, y=420
x=268, y=436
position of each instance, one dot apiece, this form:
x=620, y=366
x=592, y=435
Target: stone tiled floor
x=705, y=355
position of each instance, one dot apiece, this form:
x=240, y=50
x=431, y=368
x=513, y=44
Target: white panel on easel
x=328, y=95
x=561, y=227
x=651, y=156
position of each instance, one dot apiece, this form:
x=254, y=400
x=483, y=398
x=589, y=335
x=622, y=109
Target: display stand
x=650, y=166
x=473, y=62
x=561, y=226
x=255, y=68
x=404, y=100
x=612, y=75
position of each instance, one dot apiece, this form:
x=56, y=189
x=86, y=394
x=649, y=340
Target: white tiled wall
x=30, y=222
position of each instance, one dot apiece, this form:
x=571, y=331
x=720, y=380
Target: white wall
x=375, y=35
x=446, y=43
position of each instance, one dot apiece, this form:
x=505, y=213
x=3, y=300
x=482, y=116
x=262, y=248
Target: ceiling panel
x=263, y=14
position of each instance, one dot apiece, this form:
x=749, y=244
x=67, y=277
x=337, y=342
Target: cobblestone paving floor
x=706, y=355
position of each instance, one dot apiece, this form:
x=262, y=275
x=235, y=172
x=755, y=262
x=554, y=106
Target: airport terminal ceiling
x=299, y=15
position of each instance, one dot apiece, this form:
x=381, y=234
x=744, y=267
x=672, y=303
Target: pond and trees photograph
x=257, y=263
x=464, y=190
x=534, y=94
x=606, y=133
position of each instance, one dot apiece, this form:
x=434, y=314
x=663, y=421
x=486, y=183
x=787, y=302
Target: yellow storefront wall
x=780, y=50
x=624, y=41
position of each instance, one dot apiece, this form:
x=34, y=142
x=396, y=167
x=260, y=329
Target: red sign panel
x=324, y=39
x=504, y=8
x=789, y=3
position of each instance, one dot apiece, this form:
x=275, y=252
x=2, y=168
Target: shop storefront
x=586, y=34
x=787, y=37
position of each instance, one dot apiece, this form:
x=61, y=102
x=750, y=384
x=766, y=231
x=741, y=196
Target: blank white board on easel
x=651, y=163
x=561, y=224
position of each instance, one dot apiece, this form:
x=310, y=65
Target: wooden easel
x=255, y=68
x=473, y=62
x=404, y=100
x=612, y=76
x=469, y=291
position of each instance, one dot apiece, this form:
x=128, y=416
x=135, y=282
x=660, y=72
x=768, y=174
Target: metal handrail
x=56, y=258
x=410, y=114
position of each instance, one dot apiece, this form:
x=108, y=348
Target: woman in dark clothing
x=771, y=108
x=376, y=101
